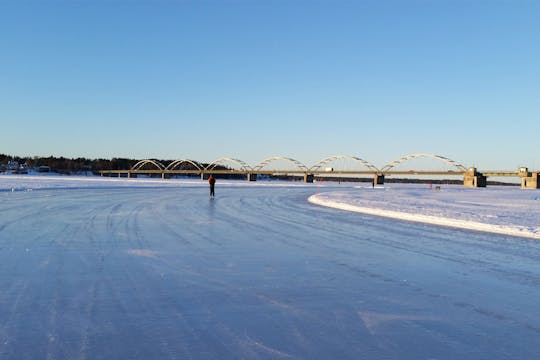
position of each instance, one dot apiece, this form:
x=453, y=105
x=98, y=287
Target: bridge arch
x=267, y=161
x=141, y=163
x=396, y=162
x=329, y=159
x=243, y=165
x=179, y=162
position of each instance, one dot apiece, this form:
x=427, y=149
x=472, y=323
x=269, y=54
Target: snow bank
x=39, y=182
x=36, y=182
x=501, y=210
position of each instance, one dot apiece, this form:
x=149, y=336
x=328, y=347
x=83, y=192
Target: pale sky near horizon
x=252, y=79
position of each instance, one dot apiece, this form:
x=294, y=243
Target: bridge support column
x=530, y=181
x=308, y=178
x=474, y=179
x=378, y=179
x=205, y=176
x=251, y=177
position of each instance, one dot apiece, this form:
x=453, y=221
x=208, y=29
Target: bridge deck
x=306, y=172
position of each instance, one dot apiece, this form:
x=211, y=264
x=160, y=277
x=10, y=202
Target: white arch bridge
x=231, y=166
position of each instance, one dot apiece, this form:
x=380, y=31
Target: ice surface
x=140, y=269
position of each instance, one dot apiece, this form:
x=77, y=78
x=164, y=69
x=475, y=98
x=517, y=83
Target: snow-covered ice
x=147, y=268
x=497, y=209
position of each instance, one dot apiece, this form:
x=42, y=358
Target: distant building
x=13, y=165
x=15, y=168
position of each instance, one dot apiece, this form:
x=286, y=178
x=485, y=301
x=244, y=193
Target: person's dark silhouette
x=212, y=182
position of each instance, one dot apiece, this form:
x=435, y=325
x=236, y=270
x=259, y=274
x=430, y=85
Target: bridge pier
x=528, y=180
x=378, y=179
x=474, y=179
x=308, y=178
x=205, y=176
x=251, y=177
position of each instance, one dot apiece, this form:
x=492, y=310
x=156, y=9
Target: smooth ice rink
x=92, y=270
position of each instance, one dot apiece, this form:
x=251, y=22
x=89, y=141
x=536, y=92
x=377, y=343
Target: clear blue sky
x=251, y=79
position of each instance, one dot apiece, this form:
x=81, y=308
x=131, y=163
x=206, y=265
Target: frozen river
x=258, y=273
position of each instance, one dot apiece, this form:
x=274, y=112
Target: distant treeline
x=67, y=165
x=79, y=165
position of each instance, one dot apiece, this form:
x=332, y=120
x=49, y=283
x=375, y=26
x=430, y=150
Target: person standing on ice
x=212, y=182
